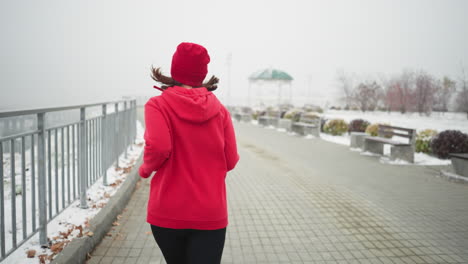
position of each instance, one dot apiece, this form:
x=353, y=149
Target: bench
x=307, y=127
x=399, y=150
x=268, y=121
x=460, y=163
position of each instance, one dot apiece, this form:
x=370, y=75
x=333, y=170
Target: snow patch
x=342, y=140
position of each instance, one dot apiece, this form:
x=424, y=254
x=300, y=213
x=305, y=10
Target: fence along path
x=45, y=169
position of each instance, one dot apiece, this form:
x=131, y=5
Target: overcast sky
x=61, y=52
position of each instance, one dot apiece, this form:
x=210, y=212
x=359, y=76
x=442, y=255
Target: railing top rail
x=19, y=112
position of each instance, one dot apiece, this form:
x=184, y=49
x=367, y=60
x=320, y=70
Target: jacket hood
x=196, y=105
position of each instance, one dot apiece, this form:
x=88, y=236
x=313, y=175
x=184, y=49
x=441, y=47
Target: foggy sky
x=69, y=52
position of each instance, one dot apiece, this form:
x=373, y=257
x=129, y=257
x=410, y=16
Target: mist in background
x=58, y=53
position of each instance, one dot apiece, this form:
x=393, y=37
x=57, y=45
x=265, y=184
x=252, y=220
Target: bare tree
x=345, y=83
x=385, y=84
x=423, y=94
x=445, y=89
x=366, y=96
x=399, y=92
x=462, y=95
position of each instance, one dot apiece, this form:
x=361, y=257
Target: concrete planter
x=246, y=117
x=285, y=124
x=460, y=163
x=268, y=121
x=237, y=116
x=305, y=129
x=357, y=139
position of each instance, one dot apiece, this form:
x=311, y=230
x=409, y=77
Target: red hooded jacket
x=190, y=143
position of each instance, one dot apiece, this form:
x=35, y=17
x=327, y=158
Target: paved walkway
x=297, y=200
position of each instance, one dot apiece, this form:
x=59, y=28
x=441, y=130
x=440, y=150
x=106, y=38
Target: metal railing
x=45, y=170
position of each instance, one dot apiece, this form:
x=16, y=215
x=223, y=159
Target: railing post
x=104, y=145
x=41, y=165
x=130, y=124
x=135, y=113
x=116, y=143
x=125, y=125
x=82, y=161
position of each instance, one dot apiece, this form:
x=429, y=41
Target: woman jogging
x=190, y=144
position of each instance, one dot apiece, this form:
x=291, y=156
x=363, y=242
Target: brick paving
x=297, y=200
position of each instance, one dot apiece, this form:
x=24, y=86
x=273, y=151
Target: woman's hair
x=167, y=82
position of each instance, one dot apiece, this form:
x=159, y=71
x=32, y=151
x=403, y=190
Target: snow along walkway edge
x=77, y=250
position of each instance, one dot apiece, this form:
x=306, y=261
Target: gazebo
x=271, y=76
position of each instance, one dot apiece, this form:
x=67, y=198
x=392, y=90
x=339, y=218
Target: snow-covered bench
x=460, y=163
x=307, y=127
x=399, y=150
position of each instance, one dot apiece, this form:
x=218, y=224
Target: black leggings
x=190, y=246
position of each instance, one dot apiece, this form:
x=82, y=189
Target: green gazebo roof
x=270, y=75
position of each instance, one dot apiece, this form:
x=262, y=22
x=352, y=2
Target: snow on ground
x=437, y=121
x=73, y=220
x=342, y=140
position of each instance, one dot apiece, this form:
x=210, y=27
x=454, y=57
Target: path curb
x=77, y=250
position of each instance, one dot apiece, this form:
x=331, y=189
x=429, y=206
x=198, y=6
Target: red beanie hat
x=190, y=64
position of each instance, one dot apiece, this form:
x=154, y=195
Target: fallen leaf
x=116, y=223
x=90, y=234
x=81, y=231
x=119, y=217
x=106, y=195
x=109, y=234
x=57, y=247
x=31, y=253
x=128, y=169
x=42, y=258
